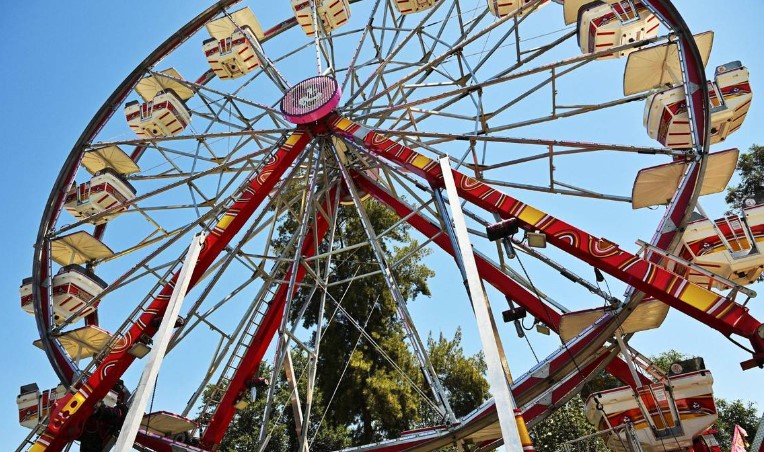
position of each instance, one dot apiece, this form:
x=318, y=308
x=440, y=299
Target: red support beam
x=487, y=270
x=714, y=310
x=679, y=209
x=71, y=411
x=250, y=362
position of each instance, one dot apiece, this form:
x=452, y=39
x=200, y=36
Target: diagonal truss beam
x=419, y=349
x=714, y=310
x=488, y=271
x=263, y=336
x=72, y=410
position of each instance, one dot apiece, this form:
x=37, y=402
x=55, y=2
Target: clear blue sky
x=63, y=60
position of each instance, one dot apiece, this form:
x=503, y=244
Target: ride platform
x=602, y=26
x=665, y=416
x=230, y=51
x=163, y=111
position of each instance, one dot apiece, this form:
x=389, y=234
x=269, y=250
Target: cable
x=741, y=345
x=342, y=375
x=546, y=308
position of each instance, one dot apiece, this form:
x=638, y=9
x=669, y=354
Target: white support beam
x=156, y=356
x=497, y=379
x=294, y=396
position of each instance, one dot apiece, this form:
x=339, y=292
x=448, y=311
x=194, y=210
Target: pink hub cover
x=311, y=99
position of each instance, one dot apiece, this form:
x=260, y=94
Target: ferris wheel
x=205, y=237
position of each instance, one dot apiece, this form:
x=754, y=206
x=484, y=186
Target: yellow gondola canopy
x=78, y=248
x=164, y=423
x=168, y=79
x=659, y=65
x=226, y=26
x=82, y=343
x=109, y=157
x=570, y=9
x=648, y=315
x=656, y=185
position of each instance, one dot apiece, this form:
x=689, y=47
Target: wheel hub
x=311, y=99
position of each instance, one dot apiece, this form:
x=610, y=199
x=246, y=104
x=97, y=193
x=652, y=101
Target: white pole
x=294, y=396
x=156, y=356
x=497, y=379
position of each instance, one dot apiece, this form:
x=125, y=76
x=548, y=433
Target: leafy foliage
x=664, y=360
x=734, y=412
x=370, y=393
x=750, y=167
x=566, y=424
x=365, y=387
x=243, y=433
x=462, y=376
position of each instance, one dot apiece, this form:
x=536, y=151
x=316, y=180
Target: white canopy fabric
x=109, y=157
x=570, y=10
x=659, y=65
x=164, y=423
x=656, y=185
x=571, y=7
x=148, y=87
x=648, y=315
x=84, y=342
x=78, y=248
x=223, y=28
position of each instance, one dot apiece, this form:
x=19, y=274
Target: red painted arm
x=714, y=310
x=270, y=322
x=70, y=413
x=488, y=272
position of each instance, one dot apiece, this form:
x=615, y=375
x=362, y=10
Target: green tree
x=750, y=167
x=372, y=383
x=566, y=424
x=370, y=393
x=463, y=377
x=744, y=414
x=243, y=433
x=664, y=360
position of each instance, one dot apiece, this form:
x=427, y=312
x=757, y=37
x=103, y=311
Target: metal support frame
x=161, y=341
x=419, y=349
x=294, y=395
x=394, y=92
x=313, y=359
x=498, y=380
x=448, y=225
x=283, y=348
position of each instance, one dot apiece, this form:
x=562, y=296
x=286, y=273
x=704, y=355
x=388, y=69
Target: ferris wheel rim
x=39, y=271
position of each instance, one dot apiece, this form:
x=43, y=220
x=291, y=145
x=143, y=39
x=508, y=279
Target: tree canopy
x=366, y=385
x=462, y=377
x=750, y=167
x=566, y=424
x=370, y=392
